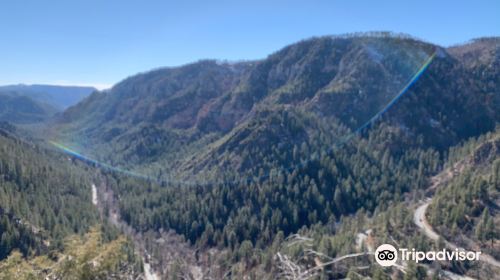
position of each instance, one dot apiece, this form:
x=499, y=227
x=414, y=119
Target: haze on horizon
x=96, y=43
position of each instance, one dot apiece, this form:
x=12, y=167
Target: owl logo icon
x=386, y=255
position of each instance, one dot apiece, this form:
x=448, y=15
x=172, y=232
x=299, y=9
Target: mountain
x=21, y=109
x=180, y=117
x=60, y=97
x=48, y=224
x=323, y=150
x=36, y=188
x=466, y=209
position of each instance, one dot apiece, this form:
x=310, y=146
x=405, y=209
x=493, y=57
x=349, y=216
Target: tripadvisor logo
x=387, y=255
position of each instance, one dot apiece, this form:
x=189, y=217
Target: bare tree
x=310, y=264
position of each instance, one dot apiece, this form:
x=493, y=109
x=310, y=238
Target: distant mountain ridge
x=59, y=97
x=33, y=104
x=21, y=109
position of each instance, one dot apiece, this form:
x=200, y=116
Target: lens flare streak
x=81, y=157
x=413, y=79
x=410, y=82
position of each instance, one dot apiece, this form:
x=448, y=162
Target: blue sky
x=100, y=42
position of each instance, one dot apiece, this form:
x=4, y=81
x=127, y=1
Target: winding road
x=420, y=220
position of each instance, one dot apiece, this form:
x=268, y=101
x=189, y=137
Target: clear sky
x=100, y=42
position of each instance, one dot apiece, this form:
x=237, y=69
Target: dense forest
x=355, y=177
x=306, y=160
x=465, y=209
x=42, y=189
x=249, y=223
x=239, y=157
x=45, y=208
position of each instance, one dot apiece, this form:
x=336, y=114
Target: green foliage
x=83, y=257
x=43, y=197
x=171, y=123
x=463, y=205
x=279, y=132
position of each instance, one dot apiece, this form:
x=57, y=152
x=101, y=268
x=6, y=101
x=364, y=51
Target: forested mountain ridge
x=45, y=205
x=261, y=150
x=241, y=158
x=175, y=118
x=466, y=209
x=479, y=53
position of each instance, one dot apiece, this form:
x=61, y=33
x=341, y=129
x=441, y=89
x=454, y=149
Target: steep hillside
x=174, y=121
x=466, y=209
x=43, y=190
x=481, y=60
x=45, y=205
x=241, y=156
